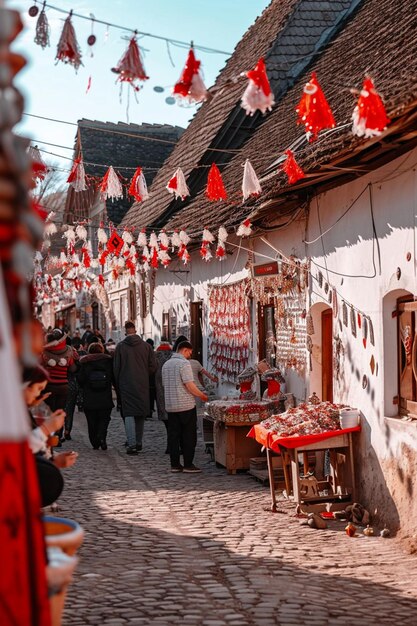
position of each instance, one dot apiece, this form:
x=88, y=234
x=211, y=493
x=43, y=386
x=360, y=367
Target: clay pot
x=368, y=531
x=350, y=530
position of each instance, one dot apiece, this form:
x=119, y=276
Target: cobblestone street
x=164, y=548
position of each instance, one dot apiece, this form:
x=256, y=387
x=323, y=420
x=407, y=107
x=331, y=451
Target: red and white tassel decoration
x=183, y=254
x=127, y=236
x=215, y=189
x=208, y=238
x=138, y=188
x=291, y=168
x=63, y=259
x=69, y=235
x=258, y=95
x=110, y=186
x=178, y=186
x=190, y=86
x=245, y=228
x=102, y=235
x=222, y=234
x=184, y=238
x=130, y=67
x=164, y=257
x=76, y=177
x=86, y=257
x=220, y=251
x=39, y=169
x=175, y=240
x=153, y=241
x=50, y=229
x=68, y=50
x=369, y=116
x=154, y=258
x=142, y=239
x=250, y=183
x=81, y=232
x=163, y=240
x=314, y=110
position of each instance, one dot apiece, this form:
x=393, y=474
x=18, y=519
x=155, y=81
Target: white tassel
x=69, y=235
x=142, y=239
x=198, y=90
x=78, y=183
x=111, y=186
x=245, y=228
x=142, y=187
x=153, y=241
x=254, y=99
x=178, y=186
x=163, y=240
x=46, y=244
x=38, y=257
x=208, y=236
x=50, y=229
x=102, y=236
x=81, y=232
x=250, y=184
x=223, y=235
x=184, y=238
x=50, y=216
x=164, y=257
x=127, y=236
x=175, y=240
x=145, y=253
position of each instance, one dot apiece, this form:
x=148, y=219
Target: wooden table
x=232, y=448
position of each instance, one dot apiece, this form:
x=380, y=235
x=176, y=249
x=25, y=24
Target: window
x=407, y=356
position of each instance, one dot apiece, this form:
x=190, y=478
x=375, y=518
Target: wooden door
x=327, y=355
x=196, y=330
x=407, y=357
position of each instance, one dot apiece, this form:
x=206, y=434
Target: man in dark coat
x=134, y=361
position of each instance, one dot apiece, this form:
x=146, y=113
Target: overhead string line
x=135, y=31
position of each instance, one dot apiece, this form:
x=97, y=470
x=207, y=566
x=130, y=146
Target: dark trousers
x=71, y=402
x=98, y=421
x=57, y=399
x=182, y=434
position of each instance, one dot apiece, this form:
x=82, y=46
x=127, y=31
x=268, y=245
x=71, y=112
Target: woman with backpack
x=96, y=378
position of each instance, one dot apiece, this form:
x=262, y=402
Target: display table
x=312, y=494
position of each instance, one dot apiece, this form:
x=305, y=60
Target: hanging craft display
x=313, y=109
x=230, y=329
x=369, y=116
x=138, y=188
x=352, y=321
x=364, y=331
x=76, y=177
x=245, y=228
x=309, y=324
x=291, y=168
x=258, y=94
x=177, y=185
x=250, y=185
x=190, y=87
x=130, y=67
x=111, y=187
x=345, y=313
x=68, y=50
x=371, y=332
x=215, y=189
x=42, y=30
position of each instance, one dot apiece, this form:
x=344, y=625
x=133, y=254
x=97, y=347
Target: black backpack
x=98, y=379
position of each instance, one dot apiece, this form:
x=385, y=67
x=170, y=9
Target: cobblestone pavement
x=203, y=550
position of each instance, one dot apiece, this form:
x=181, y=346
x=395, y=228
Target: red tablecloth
x=273, y=441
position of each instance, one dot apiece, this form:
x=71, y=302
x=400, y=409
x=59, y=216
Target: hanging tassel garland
x=215, y=189
x=245, y=228
x=250, y=183
x=205, y=251
x=154, y=258
x=313, y=109
x=42, y=30
x=138, y=188
x=111, y=187
x=258, y=95
x=76, y=177
x=190, y=86
x=178, y=186
x=369, y=116
x=68, y=50
x=291, y=168
x=130, y=67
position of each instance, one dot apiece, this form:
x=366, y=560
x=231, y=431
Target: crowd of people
x=84, y=370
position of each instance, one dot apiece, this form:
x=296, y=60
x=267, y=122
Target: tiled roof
x=343, y=41
x=125, y=146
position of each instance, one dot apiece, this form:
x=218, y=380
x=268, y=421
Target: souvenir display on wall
x=229, y=319
x=291, y=334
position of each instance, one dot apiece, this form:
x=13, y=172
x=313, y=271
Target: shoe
x=131, y=450
x=192, y=469
x=103, y=445
x=167, y=450
x=138, y=447
x=177, y=469
x=67, y=435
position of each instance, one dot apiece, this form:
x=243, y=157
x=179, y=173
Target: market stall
x=310, y=428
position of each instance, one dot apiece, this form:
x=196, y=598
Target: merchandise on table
x=305, y=419
x=242, y=411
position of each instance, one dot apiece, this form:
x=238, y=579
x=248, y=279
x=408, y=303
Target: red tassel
x=220, y=252
x=130, y=67
x=190, y=85
x=86, y=257
x=291, y=168
x=154, y=259
x=215, y=189
x=101, y=279
x=138, y=188
x=103, y=257
x=314, y=110
x=359, y=320
x=369, y=116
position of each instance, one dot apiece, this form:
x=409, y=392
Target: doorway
x=327, y=355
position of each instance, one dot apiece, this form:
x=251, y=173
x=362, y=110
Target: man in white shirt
x=180, y=393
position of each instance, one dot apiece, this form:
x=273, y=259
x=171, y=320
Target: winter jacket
x=96, y=378
x=134, y=361
x=57, y=358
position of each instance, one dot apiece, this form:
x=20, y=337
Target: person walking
x=134, y=362
x=152, y=390
x=180, y=393
x=163, y=353
x=96, y=378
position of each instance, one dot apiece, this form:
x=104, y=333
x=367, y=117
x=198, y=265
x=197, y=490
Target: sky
x=56, y=91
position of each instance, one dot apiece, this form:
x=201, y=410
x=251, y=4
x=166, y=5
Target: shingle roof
x=125, y=146
x=377, y=36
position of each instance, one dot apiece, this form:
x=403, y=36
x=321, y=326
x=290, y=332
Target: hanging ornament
x=69, y=235
x=110, y=186
x=63, y=259
x=353, y=321
x=309, y=324
x=364, y=331
x=207, y=237
x=178, y=186
x=138, y=188
x=68, y=50
x=81, y=232
x=91, y=40
x=222, y=234
x=101, y=279
x=184, y=254
x=371, y=332
x=313, y=109
x=145, y=255
x=76, y=177
x=245, y=228
x=184, y=238
x=115, y=243
x=101, y=234
x=345, y=313
x=175, y=240
x=220, y=251
x=154, y=258
x=250, y=183
x=258, y=95
x=163, y=240
x=86, y=259
x=164, y=257
x=190, y=86
x=39, y=169
x=153, y=241
x=359, y=320
x=335, y=304
x=42, y=29
x=215, y=189
x=130, y=67
x=127, y=236
x=33, y=10
x=50, y=229
x=142, y=239
x=205, y=251
x=369, y=116
x=291, y=168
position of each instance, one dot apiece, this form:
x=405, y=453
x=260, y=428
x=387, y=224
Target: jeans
x=182, y=434
x=134, y=426
x=98, y=421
